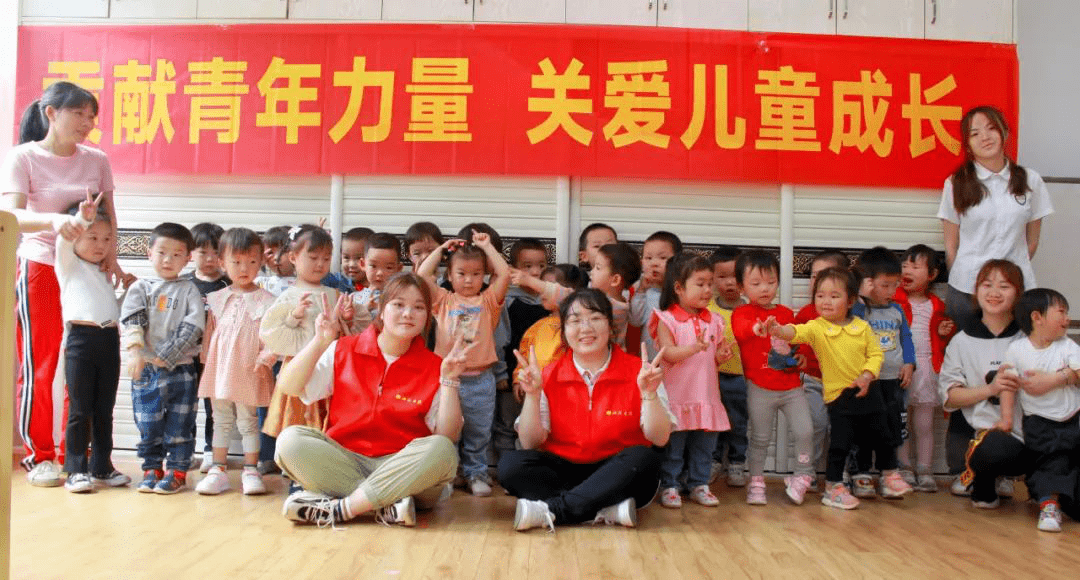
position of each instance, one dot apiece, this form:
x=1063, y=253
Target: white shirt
x=996, y=228
x=1059, y=404
x=969, y=360
x=85, y=292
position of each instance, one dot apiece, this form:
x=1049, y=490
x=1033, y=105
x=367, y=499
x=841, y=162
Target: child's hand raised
x=481, y=240
x=301, y=307
x=88, y=209
x=517, y=276
x=344, y=308
x=529, y=377
x=724, y=352
x=702, y=343
x=326, y=323
x=648, y=379
x=946, y=327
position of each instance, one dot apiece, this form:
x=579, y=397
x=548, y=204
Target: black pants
x=896, y=419
x=1055, y=449
x=858, y=421
x=507, y=409
x=574, y=492
x=92, y=370
x=998, y=454
x=959, y=434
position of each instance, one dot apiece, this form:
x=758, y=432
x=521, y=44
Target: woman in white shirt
x=991, y=208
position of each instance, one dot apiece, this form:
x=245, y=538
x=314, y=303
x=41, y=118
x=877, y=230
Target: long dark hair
x=61, y=95
x=968, y=191
x=680, y=268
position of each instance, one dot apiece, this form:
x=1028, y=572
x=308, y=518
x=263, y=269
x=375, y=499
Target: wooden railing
x=8, y=238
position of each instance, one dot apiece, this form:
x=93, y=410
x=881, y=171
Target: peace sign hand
x=529, y=377
x=648, y=379
x=702, y=344
x=453, y=364
x=326, y=323
x=88, y=209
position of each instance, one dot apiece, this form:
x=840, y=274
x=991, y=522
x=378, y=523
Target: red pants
x=39, y=334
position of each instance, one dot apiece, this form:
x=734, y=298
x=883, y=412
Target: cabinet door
x=153, y=9
x=806, y=16
x=893, y=18
x=334, y=9
x=243, y=8
x=428, y=10
x=725, y=14
x=626, y=12
x=975, y=20
x=520, y=11
x=66, y=8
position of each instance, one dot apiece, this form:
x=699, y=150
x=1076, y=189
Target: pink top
x=692, y=387
x=51, y=184
x=234, y=370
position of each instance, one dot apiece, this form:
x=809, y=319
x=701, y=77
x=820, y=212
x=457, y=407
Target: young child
x=92, y=355
x=881, y=269
x=658, y=249
x=280, y=273
x=850, y=357
x=692, y=340
x=163, y=321
x=730, y=445
x=421, y=239
x=545, y=336
x=615, y=268
x=769, y=390
x=471, y=313
x=382, y=260
x=351, y=278
x=235, y=378
x=592, y=238
x=930, y=333
x=208, y=277
x=1049, y=362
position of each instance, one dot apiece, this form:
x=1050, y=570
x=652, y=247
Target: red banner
x=524, y=100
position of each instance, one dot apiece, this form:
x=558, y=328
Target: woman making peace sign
x=587, y=427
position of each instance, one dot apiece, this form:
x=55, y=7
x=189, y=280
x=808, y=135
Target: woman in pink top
x=48, y=172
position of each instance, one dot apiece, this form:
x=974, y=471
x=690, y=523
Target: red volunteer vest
x=375, y=410
x=588, y=430
x=937, y=315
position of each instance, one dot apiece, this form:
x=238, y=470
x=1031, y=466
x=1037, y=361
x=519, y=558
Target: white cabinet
x=723, y=14
x=66, y=8
x=975, y=20
x=333, y=9
x=520, y=11
x=625, y=12
x=805, y=16
x=246, y=9
x=153, y=9
x=428, y=10
x=893, y=18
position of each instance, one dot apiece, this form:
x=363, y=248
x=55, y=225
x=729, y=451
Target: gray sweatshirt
x=166, y=318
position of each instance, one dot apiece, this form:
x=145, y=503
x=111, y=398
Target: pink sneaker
x=670, y=498
x=893, y=485
x=838, y=496
x=797, y=485
x=755, y=493
x=704, y=496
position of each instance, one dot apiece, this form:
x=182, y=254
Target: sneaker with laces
x=702, y=495
x=670, y=498
x=78, y=483
x=403, y=512
x=1049, y=517
x=736, y=475
x=755, y=494
x=837, y=496
x=926, y=483
x=986, y=505
x=113, y=479
x=215, y=482
x=959, y=488
x=893, y=485
x=251, y=482
x=1006, y=487
x=533, y=514
x=207, y=462
x=45, y=474
x=478, y=487
x=623, y=513
x=308, y=507
x=862, y=485
x=150, y=479
x=267, y=467
x=173, y=482
x=797, y=486
x=909, y=476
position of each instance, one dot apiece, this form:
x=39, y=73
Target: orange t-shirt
x=474, y=318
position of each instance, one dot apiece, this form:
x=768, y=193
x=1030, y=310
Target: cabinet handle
x=665, y=4
x=650, y=4
x=845, y=9
x=933, y=16
x=832, y=8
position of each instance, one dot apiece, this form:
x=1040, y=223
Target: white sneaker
x=207, y=462
x=252, y=482
x=215, y=482
x=308, y=507
x=623, y=513
x=1006, y=487
x=79, y=483
x=45, y=474
x=479, y=487
x=533, y=514
x=986, y=505
x=958, y=488
x=403, y=512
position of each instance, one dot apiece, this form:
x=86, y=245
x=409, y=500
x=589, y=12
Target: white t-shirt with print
x=1058, y=404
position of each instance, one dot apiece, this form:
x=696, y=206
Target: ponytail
x=60, y=95
x=34, y=125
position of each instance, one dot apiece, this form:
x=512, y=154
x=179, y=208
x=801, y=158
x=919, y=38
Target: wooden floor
x=121, y=534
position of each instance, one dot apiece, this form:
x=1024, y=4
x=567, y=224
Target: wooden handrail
x=9, y=234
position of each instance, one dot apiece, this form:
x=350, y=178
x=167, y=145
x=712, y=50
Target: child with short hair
x=92, y=353
x=881, y=270
x=421, y=239
x=930, y=333
x=692, y=341
x=280, y=273
x=163, y=321
x=658, y=249
x=1048, y=363
x=850, y=357
x=472, y=314
x=592, y=238
x=730, y=445
x=236, y=378
x=769, y=389
x=615, y=268
x=382, y=259
x=351, y=278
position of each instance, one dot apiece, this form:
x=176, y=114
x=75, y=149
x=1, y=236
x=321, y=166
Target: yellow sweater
x=843, y=351
x=732, y=366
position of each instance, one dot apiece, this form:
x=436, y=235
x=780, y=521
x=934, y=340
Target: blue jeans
x=692, y=449
x=732, y=444
x=478, y=408
x=164, y=404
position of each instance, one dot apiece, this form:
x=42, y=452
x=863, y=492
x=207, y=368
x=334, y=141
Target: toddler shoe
x=215, y=482
x=926, y=483
x=669, y=498
x=251, y=482
x=45, y=474
x=479, y=487
x=797, y=486
x=755, y=494
x=173, y=482
x=837, y=496
x=862, y=485
x=1006, y=487
x=736, y=475
x=113, y=479
x=78, y=483
x=909, y=476
x=267, y=467
x=715, y=471
x=986, y=505
x=207, y=462
x=150, y=480
x=893, y=486
x=959, y=488
x=1049, y=517
x=704, y=496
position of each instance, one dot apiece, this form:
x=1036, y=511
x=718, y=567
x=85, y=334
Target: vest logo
x=611, y=413
x=417, y=402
